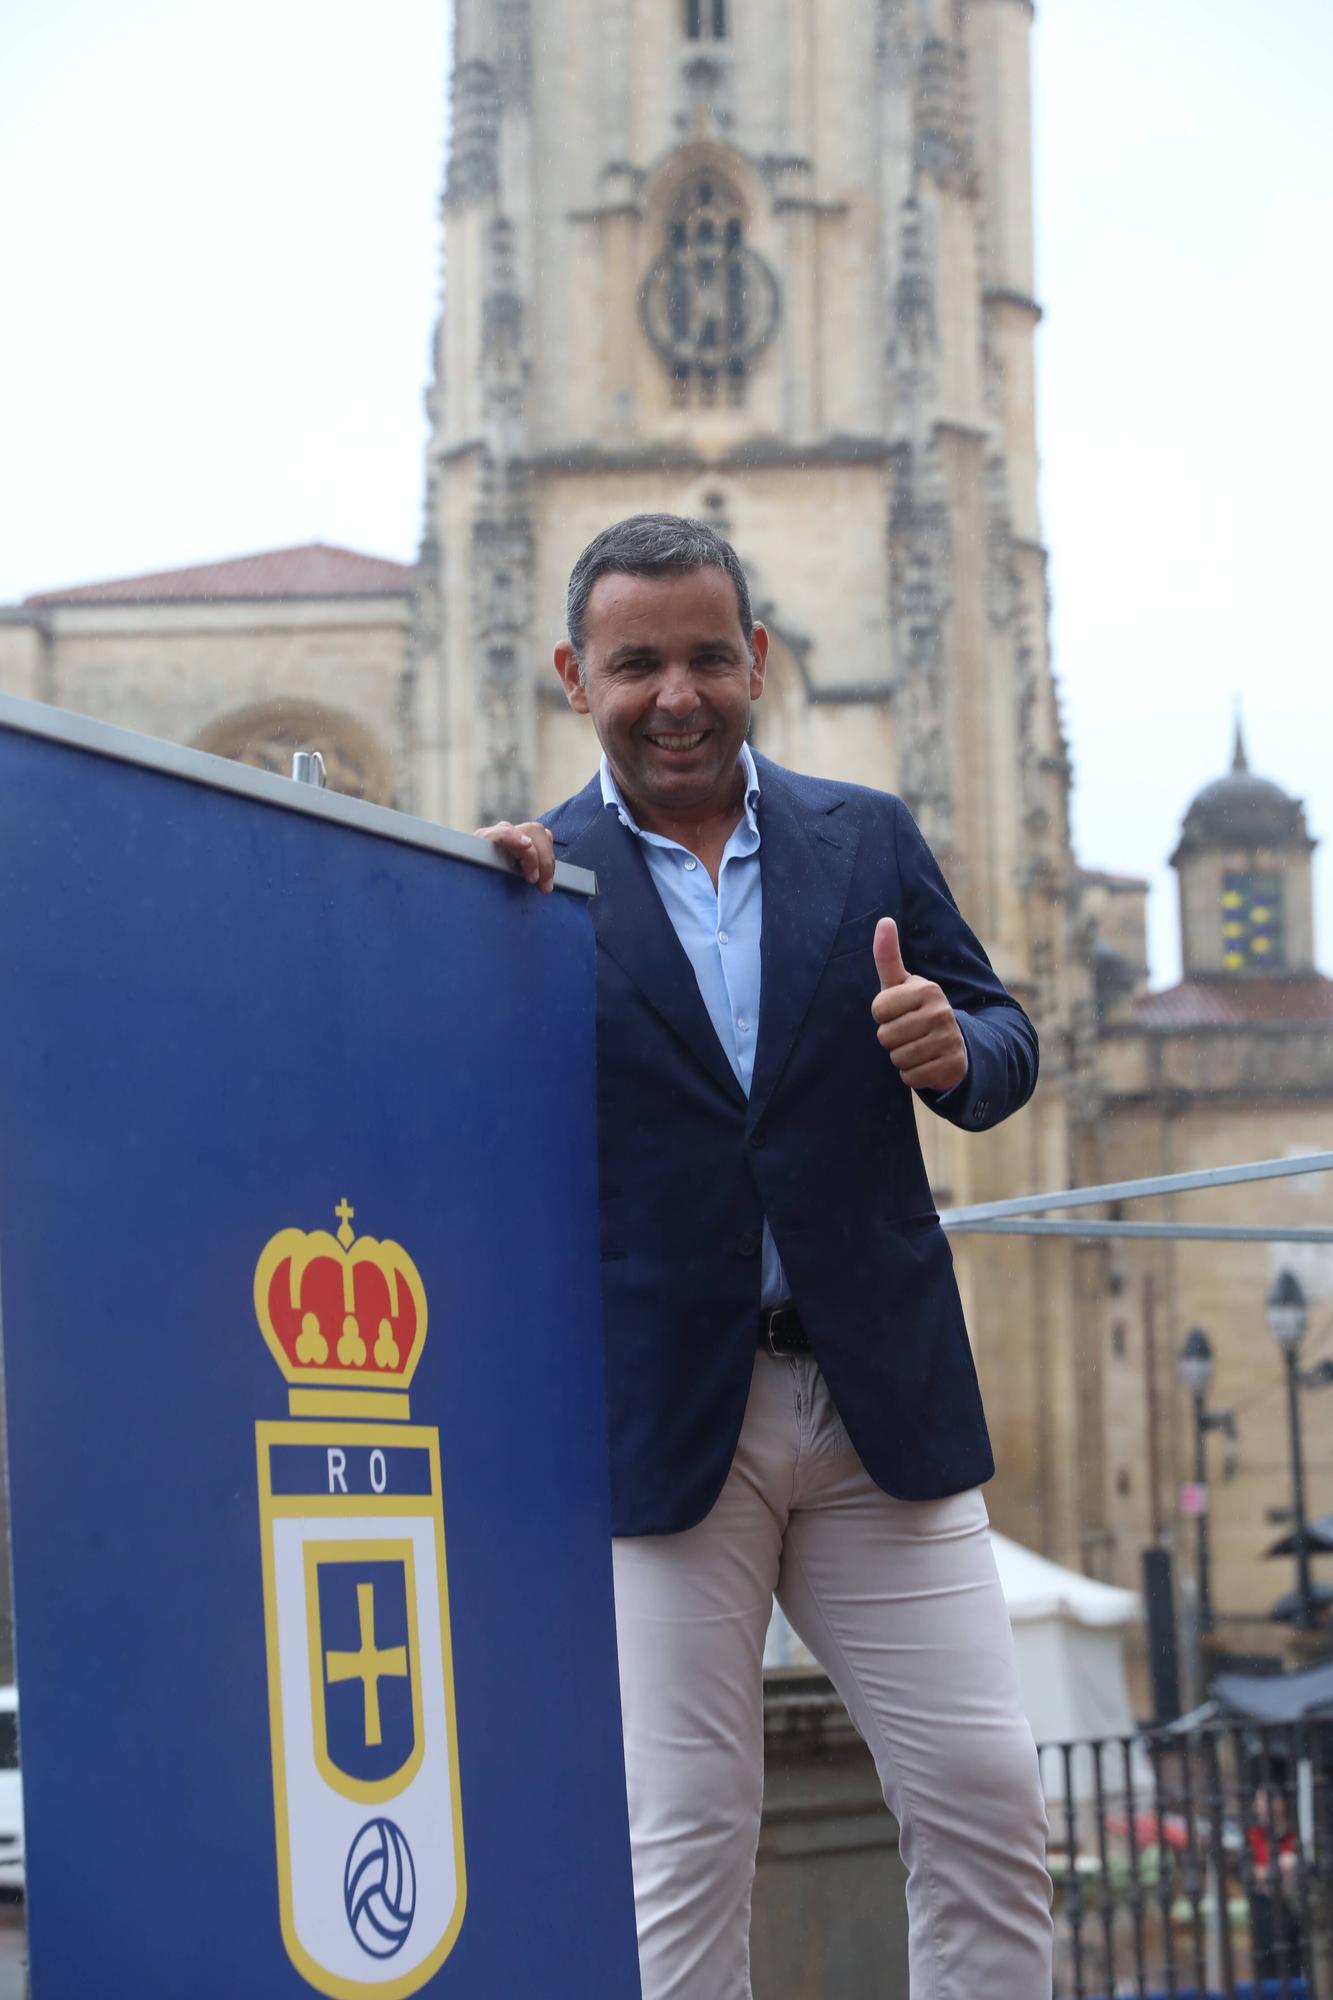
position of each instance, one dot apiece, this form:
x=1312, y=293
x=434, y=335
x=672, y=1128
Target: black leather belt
x=781, y=1332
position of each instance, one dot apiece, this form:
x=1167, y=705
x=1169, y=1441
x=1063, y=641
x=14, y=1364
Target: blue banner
x=299, y=1272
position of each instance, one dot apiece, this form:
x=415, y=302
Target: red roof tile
x=315, y=570
x=1238, y=1003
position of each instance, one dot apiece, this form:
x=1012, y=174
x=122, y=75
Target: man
x=791, y=1397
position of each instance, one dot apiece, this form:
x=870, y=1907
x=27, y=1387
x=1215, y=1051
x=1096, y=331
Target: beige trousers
x=900, y=1602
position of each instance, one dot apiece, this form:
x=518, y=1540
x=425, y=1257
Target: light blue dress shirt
x=719, y=931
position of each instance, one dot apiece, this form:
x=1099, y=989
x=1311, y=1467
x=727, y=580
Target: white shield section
x=322, y=1826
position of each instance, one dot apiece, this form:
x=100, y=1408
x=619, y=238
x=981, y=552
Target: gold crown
x=341, y=1312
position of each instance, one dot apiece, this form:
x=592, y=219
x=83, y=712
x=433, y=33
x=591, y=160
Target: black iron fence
x=1194, y=1866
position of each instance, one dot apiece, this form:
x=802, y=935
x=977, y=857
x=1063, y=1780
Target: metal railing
x=1026, y=1214
x=1193, y=1865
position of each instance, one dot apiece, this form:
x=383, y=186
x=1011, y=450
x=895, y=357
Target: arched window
x=710, y=302
x=706, y=20
x=266, y=735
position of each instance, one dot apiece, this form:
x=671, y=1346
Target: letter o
x=379, y=1471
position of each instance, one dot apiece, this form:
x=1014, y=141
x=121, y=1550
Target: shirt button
x=722, y=938
x=690, y=861
x=742, y=1024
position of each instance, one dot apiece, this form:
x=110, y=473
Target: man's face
x=668, y=679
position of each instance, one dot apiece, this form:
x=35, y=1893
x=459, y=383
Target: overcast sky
x=222, y=263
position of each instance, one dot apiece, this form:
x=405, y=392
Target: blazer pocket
x=857, y=934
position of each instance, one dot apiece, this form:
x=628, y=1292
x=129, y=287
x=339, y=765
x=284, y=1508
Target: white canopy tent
x=1068, y=1631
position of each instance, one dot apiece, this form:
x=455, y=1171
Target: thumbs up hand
x=914, y=1021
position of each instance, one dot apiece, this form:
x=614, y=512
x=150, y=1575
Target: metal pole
x=1201, y=1482
x=1305, y=1618
x=1151, y=1395
x=1153, y=1184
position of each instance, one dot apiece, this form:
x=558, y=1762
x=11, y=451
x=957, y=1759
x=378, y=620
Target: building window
x=1252, y=921
x=1122, y=1482
x=266, y=736
x=706, y=20
x=710, y=302
x=1118, y=1339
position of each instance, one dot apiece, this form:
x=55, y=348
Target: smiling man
x=791, y=1399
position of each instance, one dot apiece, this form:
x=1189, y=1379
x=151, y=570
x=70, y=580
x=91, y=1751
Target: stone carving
x=914, y=340
x=943, y=140
x=504, y=787
x=513, y=43
x=504, y=368
x=893, y=39
x=503, y=550
x=501, y=579
x=474, y=156
x=706, y=76
x=920, y=558
x=920, y=542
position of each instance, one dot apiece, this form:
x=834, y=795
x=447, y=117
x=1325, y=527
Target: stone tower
x=771, y=264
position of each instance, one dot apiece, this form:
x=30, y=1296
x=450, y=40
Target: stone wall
x=829, y=1917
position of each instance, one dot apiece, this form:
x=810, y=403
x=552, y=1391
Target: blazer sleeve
x=937, y=944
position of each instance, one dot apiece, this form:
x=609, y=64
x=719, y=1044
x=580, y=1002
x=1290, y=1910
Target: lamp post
x=1287, y=1317
x=1196, y=1372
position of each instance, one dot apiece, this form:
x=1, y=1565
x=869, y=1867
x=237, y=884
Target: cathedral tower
x=771, y=264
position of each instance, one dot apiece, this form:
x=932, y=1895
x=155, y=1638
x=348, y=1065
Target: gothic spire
x=1239, y=761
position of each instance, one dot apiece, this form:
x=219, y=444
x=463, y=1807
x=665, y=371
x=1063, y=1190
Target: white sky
x=222, y=258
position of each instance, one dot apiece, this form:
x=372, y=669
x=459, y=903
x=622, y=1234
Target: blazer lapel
x=806, y=854
x=633, y=928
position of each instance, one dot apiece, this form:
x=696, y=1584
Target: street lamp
x=1196, y=1372
x=1287, y=1318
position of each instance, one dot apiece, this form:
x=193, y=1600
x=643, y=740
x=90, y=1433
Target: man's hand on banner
x=529, y=847
x=914, y=1021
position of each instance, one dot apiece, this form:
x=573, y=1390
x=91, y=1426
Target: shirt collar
x=612, y=798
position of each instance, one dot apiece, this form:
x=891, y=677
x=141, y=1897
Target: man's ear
x=758, y=655
x=567, y=666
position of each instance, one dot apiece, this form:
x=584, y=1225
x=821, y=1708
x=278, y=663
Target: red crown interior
x=322, y=1294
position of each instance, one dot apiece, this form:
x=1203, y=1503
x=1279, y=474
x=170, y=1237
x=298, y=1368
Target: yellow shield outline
x=369, y=1791
x=393, y=1507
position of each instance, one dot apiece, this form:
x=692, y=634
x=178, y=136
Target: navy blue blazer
x=825, y=1148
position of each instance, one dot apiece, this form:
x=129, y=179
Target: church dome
x=1242, y=810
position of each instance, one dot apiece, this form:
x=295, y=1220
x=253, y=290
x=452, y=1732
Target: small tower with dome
x=1246, y=894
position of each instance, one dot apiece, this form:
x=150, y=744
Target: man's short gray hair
x=652, y=545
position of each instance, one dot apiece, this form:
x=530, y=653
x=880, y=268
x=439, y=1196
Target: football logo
x=371, y=1885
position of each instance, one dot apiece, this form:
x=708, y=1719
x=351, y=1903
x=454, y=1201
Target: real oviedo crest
x=360, y=1682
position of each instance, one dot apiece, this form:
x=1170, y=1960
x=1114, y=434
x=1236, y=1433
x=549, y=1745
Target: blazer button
x=756, y=1139
x=747, y=1245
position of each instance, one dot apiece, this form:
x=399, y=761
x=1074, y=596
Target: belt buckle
x=775, y=1321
